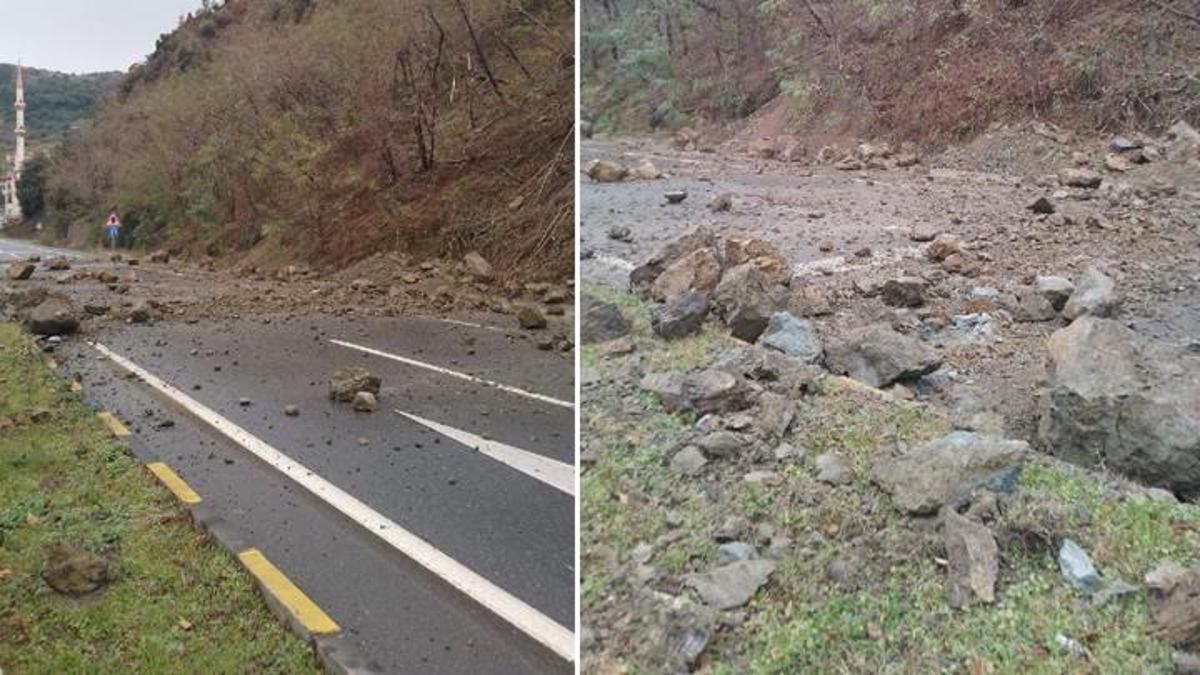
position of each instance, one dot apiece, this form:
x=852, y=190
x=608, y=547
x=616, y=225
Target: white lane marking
x=549, y=471
x=512, y=609
x=613, y=261
x=458, y=322
x=454, y=373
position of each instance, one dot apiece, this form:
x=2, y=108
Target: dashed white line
x=454, y=373
x=512, y=609
x=549, y=471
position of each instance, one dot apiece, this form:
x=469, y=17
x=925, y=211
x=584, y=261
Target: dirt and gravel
x=748, y=509
x=846, y=232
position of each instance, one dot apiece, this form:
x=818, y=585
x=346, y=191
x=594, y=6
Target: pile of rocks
x=357, y=386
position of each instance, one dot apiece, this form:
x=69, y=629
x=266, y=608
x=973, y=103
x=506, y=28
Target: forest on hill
x=936, y=70
x=271, y=131
x=56, y=102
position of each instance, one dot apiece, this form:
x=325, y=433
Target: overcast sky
x=84, y=36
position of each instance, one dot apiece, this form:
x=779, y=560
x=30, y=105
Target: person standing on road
x=112, y=229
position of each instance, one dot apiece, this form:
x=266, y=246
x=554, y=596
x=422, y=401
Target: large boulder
x=708, y=391
x=698, y=271
x=680, y=317
x=53, y=316
x=601, y=321
x=1123, y=401
x=947, y=469
x=1095, y=294
x=747, y=298
x=645, y=274
x=879, y=356
x=795, y=337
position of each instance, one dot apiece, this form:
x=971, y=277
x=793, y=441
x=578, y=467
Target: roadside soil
x=100, y=568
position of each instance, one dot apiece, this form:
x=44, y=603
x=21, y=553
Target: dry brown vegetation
x=328, y=130
x=926, y=70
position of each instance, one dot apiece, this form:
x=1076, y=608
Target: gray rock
x=926, y=478
x=746, y=298
x=531, y=318
x=601, y=321
x=478, y=267
x=1042, y=205
x=53, y=316
x=774, y=414
x=833, y=469
x=709, y=391
x=1173, y=604
x=680, y=317
x=1080, y=178
x=1095, y=294
x=879, y=356
x=731, y=586
x=723, y=443
x=1123, y=401
x=974, y=560
x=1076, y=567
x=346, y=382
x=688, y=461
x=1026, y=304
x=364, y=401
x=735, y=551
x=903, y=292
x=645, y=274
x=1122, y=144
x=795, y=337
x=1056, y=290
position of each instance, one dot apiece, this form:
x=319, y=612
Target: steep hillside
x=932, y=71
x=270, y=131
x=56, y=101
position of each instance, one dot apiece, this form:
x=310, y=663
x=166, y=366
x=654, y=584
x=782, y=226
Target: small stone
x=364, y=401
x=974, y=559
x=291, y=411
x=731, y=586
x=903, y=292
x=530, y=318
x=688, y=461
x=833, y=469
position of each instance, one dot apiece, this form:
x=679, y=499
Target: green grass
x=893, y=615
x=177, y=600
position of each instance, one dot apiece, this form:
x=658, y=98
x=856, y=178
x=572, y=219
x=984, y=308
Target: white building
x=16, y=161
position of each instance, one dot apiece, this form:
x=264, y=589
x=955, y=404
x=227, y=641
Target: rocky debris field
x=892, y=418
x=56, y=297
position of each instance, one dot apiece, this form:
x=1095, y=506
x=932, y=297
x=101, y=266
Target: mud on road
x=846, y=232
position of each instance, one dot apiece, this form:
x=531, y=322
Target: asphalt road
x=503, y=524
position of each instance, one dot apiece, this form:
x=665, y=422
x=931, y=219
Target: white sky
x=84, y=36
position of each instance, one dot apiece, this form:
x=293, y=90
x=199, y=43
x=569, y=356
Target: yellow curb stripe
x=114, y=425
x=174, y=483
x=277, y=584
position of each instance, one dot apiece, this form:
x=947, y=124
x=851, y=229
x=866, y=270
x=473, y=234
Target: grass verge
x=174, y=601
x=859, y=588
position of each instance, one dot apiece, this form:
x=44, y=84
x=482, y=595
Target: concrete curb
x=334, y=651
